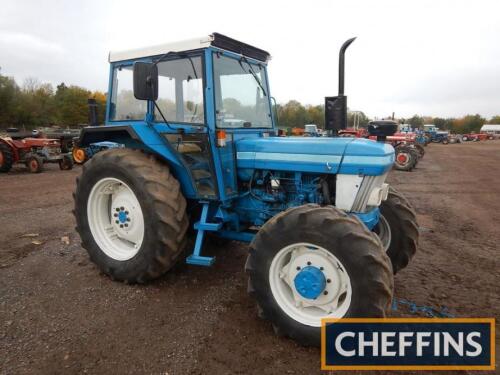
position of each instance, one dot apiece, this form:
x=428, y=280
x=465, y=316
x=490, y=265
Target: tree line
x=35, y=104
x=460, y=125
x=295, y=115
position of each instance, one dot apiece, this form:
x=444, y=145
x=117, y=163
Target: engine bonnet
x=315, y=155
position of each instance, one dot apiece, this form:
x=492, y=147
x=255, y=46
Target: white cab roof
x=160, y=49
x=490, y=127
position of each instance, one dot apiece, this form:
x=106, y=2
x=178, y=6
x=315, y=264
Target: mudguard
x=145, y=137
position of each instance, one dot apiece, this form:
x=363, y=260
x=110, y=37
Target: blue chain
x=427, y=310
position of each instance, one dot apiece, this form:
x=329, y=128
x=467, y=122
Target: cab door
x=181, y=107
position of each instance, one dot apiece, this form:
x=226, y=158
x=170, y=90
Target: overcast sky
x=439, y=58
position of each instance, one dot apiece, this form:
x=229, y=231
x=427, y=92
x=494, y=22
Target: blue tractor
x=202, y=156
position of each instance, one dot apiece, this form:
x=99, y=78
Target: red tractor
x=475, y=137
x=33, y=152
x=408, y=151
x=353, y=133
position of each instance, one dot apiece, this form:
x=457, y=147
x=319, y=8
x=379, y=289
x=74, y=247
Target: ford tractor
x=201, y=156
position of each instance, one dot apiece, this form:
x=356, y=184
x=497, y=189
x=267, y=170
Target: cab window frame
x=222, y=53
x=157, y=119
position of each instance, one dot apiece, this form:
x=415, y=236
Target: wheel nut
x=328, y=280
x=115, y=215
x=308, y=263
x=126, y=225
x=117, y=222
x=325, y=292
x=126, y=212
x=298, y=268
x=128, y=219
x=117, y=209
x=122, y=208
x=121, y=225
x=321, y=268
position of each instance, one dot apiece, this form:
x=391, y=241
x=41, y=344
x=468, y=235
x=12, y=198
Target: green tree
x=357, y=117
x=9, y=92
x=316, y=115
x=495, y=120
x=292, y=114
x=71, y=105
x=473, y=123
x=416, y=121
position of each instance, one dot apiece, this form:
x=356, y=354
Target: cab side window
x=180, y=91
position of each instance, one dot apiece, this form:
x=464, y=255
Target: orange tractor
x=33, y=152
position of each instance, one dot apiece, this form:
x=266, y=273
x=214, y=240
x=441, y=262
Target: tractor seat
x=186, y=148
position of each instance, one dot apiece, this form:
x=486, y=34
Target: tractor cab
x=205, y=94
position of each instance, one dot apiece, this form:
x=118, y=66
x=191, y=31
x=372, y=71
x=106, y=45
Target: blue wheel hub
x=310, y=282
x=122, y=216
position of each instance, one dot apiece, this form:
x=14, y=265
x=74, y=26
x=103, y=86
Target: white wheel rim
x=383, y=231
x=283, y=271
x=115, y=219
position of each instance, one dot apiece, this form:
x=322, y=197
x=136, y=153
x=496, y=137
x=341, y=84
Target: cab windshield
x=241, y=97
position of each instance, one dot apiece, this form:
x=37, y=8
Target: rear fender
x=10, y=143
x=143, y=137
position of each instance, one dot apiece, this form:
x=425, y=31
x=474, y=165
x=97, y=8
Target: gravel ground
x=58, y=314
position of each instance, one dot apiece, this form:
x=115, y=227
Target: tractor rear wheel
x=6, y=158
x=420, y=149
x=130, y=214
x=405, y=159
x=313, y=262
x=398, y=229
x=34, y=164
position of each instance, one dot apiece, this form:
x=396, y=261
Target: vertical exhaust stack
x=336, y=106
x=92, y=112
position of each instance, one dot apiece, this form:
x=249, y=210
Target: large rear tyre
x=398, y=229
x=6, y=158
x=313, y=262
x=405, y=159
x=420, y=149
x=130, y=214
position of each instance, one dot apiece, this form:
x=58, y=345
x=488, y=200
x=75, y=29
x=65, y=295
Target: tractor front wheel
x=6, y=158
x=66, y=163
x=313, y=262
x=398, y=229
x=130, y=214
x=34, y=164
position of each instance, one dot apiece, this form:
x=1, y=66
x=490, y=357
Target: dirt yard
x=58, y=314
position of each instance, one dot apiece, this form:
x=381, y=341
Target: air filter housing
x=382, y=128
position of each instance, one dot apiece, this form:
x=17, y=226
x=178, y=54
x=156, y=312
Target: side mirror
x=145, y=81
